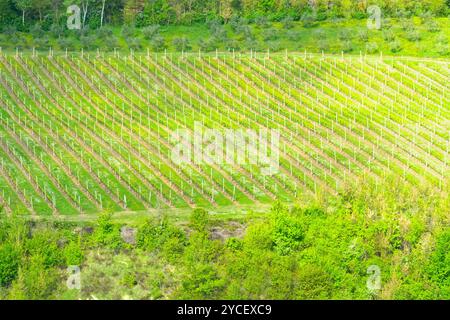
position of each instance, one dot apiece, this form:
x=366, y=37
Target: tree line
x=24, y=14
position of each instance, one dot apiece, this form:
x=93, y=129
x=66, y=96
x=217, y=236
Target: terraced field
x=83, y=134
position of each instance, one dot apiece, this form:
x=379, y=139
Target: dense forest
x=52, y=14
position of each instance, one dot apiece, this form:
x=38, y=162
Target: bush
x=262, y=22
x=220, y=34
x=371, y=47
x=308, y=20
x=274, y=46
x=407, y=25
x=413, y=35
x=236, y=23
x=293, y=35
x=443, y=49
x=43, y=244
x=89, y=42
x=37, y=31
x=158, y=43
x=347, y=46
x=363, y=35
x=154, y=235
x=9, y=264
x=151, y=31
x=323, y=45
x=73, y=254
x=270, y=34
x=107, y=233
x=288, y=23
x=433, y=26
x=442, y=38
x=134, y=43
x=56, y=30
x=287, y=232
x=345, y=35
x=233, y=44
x=395, y=46
x=104, y=32
x=182, y=44
x=439, y=263
x=313, y=282
x=42, y=43
x=388, y=35
x=199, y=220
x=127, y=31
x=207, y=45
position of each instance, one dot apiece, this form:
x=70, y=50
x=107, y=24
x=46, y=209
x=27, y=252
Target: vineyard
x=85, y=133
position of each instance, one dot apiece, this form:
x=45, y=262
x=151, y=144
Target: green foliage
x=158, y=43
x=9, y=264
x=395, y=46
x=199, y=220
x=107, y=233
x=151, y=31
x=439, y=265
x=44, y=247
x=160, y=234
x=182, y=44
x=287, y=231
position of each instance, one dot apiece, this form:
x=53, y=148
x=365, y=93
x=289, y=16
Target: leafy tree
x=24, y=6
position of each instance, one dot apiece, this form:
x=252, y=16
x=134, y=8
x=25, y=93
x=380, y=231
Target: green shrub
x=182, y=44
x=89, y=42
x=395, y=46
x=439, y=264
x=199, y=220
x=388, y=35
x=73, y=254
x=151, y=31
x=288, y=22
x=155, y=234
x=293, y=35
x=347, y=46
x=262, y=22
x=413, y=35
x=345, y=35
x=270, y=34
x=158, y=43
x=127, y=31
x=363, y=35
x=371, y=47
x=107, y=233
x=9, y=264
x=308, y=19
x=287, y=232
x=134, y=43
x=44, y=244
x=312, y=282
